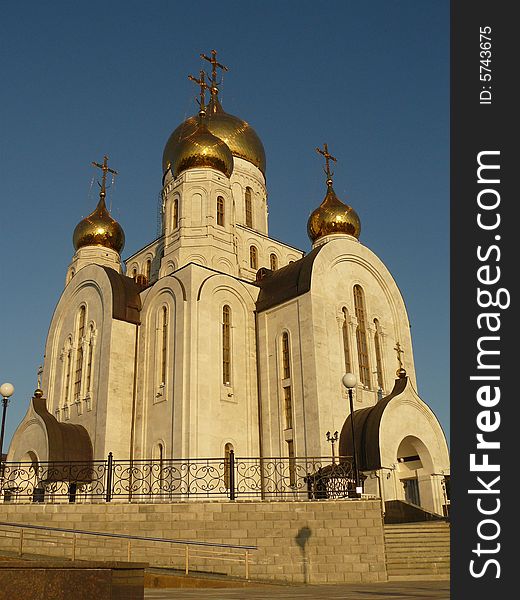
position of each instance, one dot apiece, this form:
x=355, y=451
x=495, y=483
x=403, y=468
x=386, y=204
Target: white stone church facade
x=215, y=336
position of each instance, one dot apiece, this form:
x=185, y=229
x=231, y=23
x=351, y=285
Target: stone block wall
x=313, y=542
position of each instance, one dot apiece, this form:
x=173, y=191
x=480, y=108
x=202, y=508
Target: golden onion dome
x=333, y=216
x=238, y=135
x=201, y=149
x=99, y=229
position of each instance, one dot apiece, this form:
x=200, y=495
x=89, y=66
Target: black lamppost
x=332, y=439
x=6, y=391
x=349, y=381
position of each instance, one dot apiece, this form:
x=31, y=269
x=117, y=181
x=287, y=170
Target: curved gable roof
x=126, y=301
x=293, y=280
x=367, y=422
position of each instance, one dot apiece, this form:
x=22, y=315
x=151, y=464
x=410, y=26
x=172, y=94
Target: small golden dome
x=201, y=149
x=99, y=229
x=333, y=216
x=238, y=135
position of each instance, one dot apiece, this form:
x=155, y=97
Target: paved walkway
x=409, y=590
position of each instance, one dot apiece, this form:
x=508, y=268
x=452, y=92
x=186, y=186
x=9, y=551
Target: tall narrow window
x=287, y=403
x=273, y=261
x=148, y=269
x=228, y=448
x=379, y=362
x=226, y=345
x=134, y=273
x=79, y=353
x=286, y=366
x=164, y=343
x=68, y=367
x=220, y=211
x=158, y=484
x=253, y=257
x=175, y=214
x=90, y=351
x=292, y=463
x=361, y=336
x=249, y=207
x=346, y=347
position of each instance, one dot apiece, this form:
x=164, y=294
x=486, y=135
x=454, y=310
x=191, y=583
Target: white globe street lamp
x=6, y=391
x=349, y=381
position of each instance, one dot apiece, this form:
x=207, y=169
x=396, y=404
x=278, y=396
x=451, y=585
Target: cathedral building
x=215, y=337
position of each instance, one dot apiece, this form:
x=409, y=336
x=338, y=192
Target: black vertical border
x=479, y=127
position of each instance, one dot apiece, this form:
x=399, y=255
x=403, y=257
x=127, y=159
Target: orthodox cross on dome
x=328, y=157
x=203, y=87
x=104, y=167
x=39, y=375
x=214, y=65
x=399, y=351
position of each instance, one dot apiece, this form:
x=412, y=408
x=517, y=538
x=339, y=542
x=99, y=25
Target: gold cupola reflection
x=99, y=228
x=201, y=149
x=236, y=133
x=332, y=215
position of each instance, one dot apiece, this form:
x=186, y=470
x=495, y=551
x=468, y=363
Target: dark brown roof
x=367, y=422
x=286, y=283
x=126, y=302
x=67, y=441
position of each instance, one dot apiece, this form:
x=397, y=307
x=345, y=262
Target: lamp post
x=6, y=391
x=349, y=381
x=332, y=439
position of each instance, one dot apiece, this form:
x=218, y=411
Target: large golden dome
x=238, y=135
x=333, y=216
x=201, y=149
x=99, y=229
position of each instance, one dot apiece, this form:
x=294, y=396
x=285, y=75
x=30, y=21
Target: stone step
x=417, y=551
x=418, y=561
x=430, y=577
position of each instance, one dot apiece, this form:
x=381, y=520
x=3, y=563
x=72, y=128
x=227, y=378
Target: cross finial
x=328, y=158
x=399, y=351
x=39, y=374
x=203, y=87
x=104, y=167
x=214, y=65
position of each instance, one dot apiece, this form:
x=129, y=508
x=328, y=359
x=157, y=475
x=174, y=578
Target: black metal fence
x=173, y=480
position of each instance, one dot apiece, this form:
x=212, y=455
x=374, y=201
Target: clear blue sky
x=370, y=78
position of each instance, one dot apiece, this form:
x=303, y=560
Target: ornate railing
x=233, y=478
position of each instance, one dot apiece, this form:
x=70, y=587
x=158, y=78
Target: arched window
x=253, y=257
x=228, y=448
x=286, y=359
x=379, y=362
x=164, y=344
x=90, y=351
x=79, y=352
x=226, y=345
x=273, y=261
x=249, y=207
x=148, y=269
x=68, y=369
x=286, y=381
x=346, y=346
x=175, y=214
x=134, y=273
x=220, y=211
x=361, y=336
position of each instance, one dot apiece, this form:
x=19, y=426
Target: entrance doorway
x=411, y=491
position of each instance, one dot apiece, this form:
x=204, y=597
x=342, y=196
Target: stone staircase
x=417, y=551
